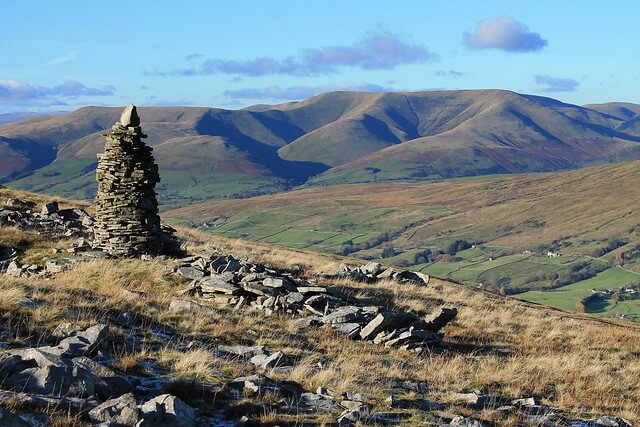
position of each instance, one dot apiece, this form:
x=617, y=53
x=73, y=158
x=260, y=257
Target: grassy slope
x=581, y=210
x=582, y=365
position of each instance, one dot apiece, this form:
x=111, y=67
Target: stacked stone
x=127, y=221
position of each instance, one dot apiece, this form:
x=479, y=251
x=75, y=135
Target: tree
x=457, y=246
x=423, y=257
x=388, y=252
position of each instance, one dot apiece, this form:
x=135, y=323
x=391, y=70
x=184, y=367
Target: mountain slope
x=360, y=137
x=619, y=110
x=498, y=132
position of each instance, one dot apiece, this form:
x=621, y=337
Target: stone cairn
x=127, y=221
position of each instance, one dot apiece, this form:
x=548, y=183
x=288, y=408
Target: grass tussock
x=112, y=276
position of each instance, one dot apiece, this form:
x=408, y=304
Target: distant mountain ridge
x=337, y=137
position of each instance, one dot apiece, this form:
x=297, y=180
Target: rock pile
x=52, y=222
x=127, y=221
x=66, y=222
x=373, y=272
x=229, y=281
x=70, y=376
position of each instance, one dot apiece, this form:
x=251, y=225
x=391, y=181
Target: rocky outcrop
x=127, y=221
x=228, y=281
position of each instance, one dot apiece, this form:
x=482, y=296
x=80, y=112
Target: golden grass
x=574, y=362
x=112, y=276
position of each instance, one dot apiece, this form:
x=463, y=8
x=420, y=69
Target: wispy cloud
x=65, y=58
x=504, y=33
x=18, y=93
x=292, y=93
x=376, y=51
x=556, y=84
x=449, y=73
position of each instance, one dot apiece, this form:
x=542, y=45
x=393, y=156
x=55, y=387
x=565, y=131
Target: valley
x=544, y=232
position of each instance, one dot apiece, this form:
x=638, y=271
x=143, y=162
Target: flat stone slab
x=216, y=285
x=342, y=315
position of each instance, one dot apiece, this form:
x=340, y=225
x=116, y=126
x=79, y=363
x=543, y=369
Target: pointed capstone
x=129, y=116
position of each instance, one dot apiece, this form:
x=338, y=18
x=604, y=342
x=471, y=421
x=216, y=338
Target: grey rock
x=342, y=315
x=351, y=416
x=49, y=374
x=190, y=273
x=323, y=391
x=110, y=384
x=59, y=265
x=350, y=330
x=294, y=298
x=461, y=421
x=13, y=270
x=439, y=318
x=217, y=285
x=129, y=116
x=257, y=383
x=413, y=334
x=167, y=410
x=371, y=269
x=49, y=208
x=317, y=401
x=412, y=276
x=311, y=289
x=384, y=321
x=122, y=411
x=19, y=204
x=612, y=421
x=257, y=289
x=527, y=401
x=278, y=282
x=268, y=361
x=83, y=343
x=64, y=330
x=473, y=399
x=244, y=351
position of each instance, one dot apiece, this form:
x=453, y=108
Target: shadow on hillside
x=218, y=124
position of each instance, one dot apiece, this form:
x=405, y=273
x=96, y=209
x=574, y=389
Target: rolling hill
x=337, y=137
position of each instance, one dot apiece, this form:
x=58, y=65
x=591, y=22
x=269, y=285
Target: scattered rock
x=318, y=401
x=167, y=410
x=190, y=273
x=264, y=361
x=49, y=208
x=122, y=411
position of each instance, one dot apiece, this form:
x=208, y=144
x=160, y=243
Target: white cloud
x=65, y=58
x=506, y=34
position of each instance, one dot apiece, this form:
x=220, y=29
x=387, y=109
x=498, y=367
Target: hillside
x=131, y=331
x=337, y=137
x=589, y=216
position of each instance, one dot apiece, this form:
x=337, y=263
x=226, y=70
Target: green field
x=568, y=296
x=76, y=179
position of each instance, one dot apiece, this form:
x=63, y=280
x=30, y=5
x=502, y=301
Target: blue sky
x=60, y=55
